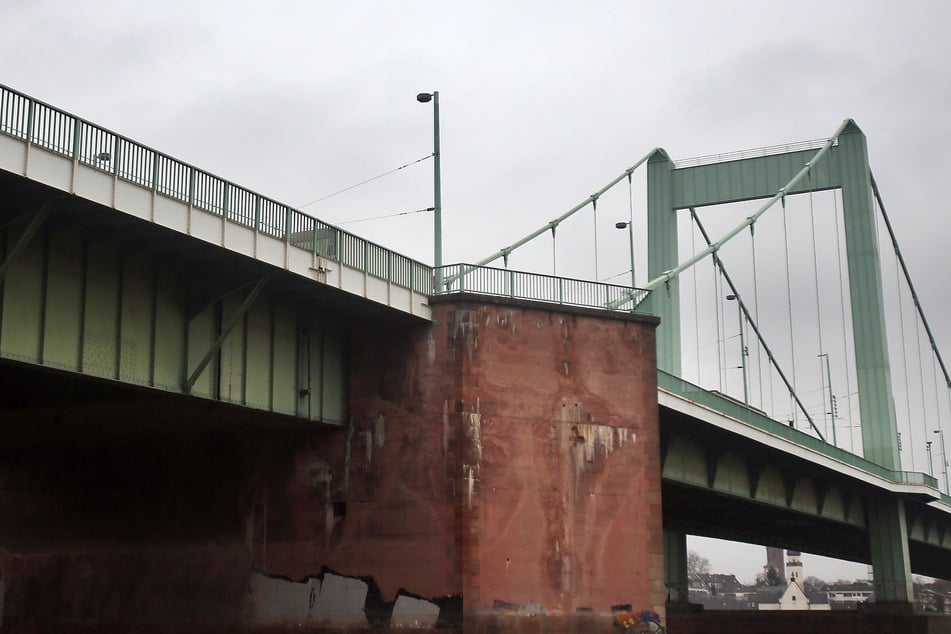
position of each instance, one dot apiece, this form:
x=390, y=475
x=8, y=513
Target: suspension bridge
x=796, y=396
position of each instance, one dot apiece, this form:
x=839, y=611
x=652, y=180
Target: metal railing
x=771, y=150
x=54, y=130
x=738, y=411
x=485, y=280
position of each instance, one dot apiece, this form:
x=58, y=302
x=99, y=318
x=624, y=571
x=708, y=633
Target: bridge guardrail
x=486, y=280
x=740, y=412
x=57, y=131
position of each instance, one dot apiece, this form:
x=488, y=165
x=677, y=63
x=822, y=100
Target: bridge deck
x=50, y=146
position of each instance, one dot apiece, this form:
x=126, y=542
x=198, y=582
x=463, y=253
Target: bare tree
x=697, y=564
x=813, y=583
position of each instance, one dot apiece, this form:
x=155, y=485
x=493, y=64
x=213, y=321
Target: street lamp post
x=630, y=234
x=739, y=311
x=930, y=461
x=426, y=97
x=944, y=460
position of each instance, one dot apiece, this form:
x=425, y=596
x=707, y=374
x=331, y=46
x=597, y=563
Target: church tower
x=794, y=566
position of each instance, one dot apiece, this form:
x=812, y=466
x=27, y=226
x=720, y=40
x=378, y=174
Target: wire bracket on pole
x=235, y=318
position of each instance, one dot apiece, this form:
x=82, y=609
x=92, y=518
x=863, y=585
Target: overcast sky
x=542, y=103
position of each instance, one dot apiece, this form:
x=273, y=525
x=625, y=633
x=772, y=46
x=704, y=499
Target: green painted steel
x=891, y=563
x=689, y=461
x=662, y=192
x=96, y=308
x=737, y=411
x=662, y=256
x=876, y=404
x=551, y=226
x=57, y=131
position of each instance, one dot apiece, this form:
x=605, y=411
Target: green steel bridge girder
x=756, y=496
x=130, y=304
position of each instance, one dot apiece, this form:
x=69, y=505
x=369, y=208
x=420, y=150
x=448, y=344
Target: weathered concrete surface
x=502, y=464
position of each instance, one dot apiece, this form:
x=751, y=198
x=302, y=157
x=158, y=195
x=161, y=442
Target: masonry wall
x=501, y=470
x=561, y=466
x=502, y=463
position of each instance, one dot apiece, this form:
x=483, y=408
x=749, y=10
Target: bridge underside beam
x=729, y=487
x=108, y=296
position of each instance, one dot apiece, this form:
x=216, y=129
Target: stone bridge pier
x=500, y=472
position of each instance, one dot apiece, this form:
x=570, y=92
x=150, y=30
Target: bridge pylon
x=844, y=166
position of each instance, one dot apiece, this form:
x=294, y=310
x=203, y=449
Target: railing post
x=226, y=199
x=116, y=145
x=155, y=161
x=77, y=133
x=191, y=187
x=29, y=121
x=257, y=212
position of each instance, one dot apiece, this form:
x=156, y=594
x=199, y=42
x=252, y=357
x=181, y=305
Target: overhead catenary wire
x=401, y=213
x=369, y=180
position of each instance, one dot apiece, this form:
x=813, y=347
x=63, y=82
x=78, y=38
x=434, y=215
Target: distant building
x=934, y=596
x=716, y=584
x=848, y=596
x=792, y=595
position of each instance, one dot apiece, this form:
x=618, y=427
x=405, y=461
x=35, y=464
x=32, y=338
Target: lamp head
x=621, y=225
x=731, y=297
x=424, y=97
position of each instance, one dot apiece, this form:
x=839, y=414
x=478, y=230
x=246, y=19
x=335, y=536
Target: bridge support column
x=675, y=566
x=888, y=534
x=873, y=375
x=662, y=255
